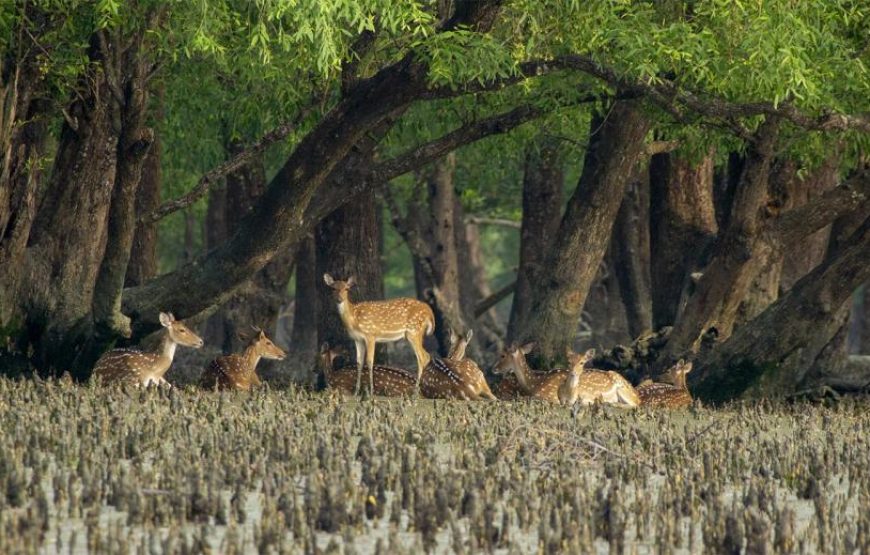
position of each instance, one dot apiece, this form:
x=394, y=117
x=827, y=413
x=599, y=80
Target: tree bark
x=773, y=353
x=737, y=258
x=615, y=147
x=303, y=338
x=143, y=263
x=682, y=224
x=348, y=244
x=630, y=245
x=543, y=184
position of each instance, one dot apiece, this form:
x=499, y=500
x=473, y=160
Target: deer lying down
x=388, y=381
x=455, y=377
x=239, y=371
x=519, y=379
x=591, y=386
x=666, y=395
x=139, y=367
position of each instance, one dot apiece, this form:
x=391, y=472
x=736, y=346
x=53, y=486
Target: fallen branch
x=489, y=302
x=503, y=222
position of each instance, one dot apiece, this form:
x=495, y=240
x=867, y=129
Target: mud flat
x=289, y=471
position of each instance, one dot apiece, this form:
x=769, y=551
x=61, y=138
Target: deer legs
x=370, y=360
x=360, y=353
x=416, y=341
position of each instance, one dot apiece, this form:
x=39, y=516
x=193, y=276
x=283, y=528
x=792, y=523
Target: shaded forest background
x=654, y=179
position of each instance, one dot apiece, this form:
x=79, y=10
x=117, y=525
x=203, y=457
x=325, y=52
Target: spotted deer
x=518, y=377
x=388, y=381
x=676, y=395
x=239, y=371
x=139, y=367
x=455, y=377
x=373, y=322
x=592, y=386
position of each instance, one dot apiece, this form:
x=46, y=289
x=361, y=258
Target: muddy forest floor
x=84, y=469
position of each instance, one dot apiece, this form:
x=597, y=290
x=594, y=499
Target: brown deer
x=373, y=322
x=591, y=386
x=146, y=367
x=455, y=377
x=388, y=381
x=666, y=395
x=239, y=371
x=519, y=378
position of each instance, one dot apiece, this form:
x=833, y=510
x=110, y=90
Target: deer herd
x=455, y=376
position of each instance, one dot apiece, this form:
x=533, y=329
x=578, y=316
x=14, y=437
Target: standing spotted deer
x=388, y=381
x=666, y=395
x=592, y=386
x=455, y=377
x=146, y=367
x=373, y=322
x=239, y=371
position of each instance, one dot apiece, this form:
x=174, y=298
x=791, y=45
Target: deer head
x=512, y=358
x=577, y=362
x=178, y=332
x=340, y=287
x=677, y=372
x=264, y=347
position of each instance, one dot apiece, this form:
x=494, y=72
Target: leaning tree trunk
x=739, y=255
x=682, y=223
x=615, y=147
x=348, y=244
x=543, y=183
x=774, y=353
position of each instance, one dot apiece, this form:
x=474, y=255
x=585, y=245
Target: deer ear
x=527, y=348
x=328, y=280
x=468, y=335
x=166, y=319
x=324, y=347
x=351, y=282
x=590, y=353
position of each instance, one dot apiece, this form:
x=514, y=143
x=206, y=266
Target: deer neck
x=251, y=357
x=167, y=348
x=345, y=311
x=523, y=373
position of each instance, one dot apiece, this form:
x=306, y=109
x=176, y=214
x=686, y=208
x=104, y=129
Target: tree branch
x=503, y=222
x=212, y=176
x=667, y=93
x=485, y=304
x=799, y=222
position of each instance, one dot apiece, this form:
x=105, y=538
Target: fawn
x=388, y=381
x=238, y=371
x=654, y=394
x=373, y=322
x=455, y=377
x=147, y=367
x=590, y=386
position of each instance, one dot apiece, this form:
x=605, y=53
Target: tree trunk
x=738, y=257
x=68, y=237
x=682, y=223
x=543, y=183
x=774, y=352
x=604, y=322
x=348, y=244
x=615, y=147
x=303, y=338
x=630, y=245
x=143, y=256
